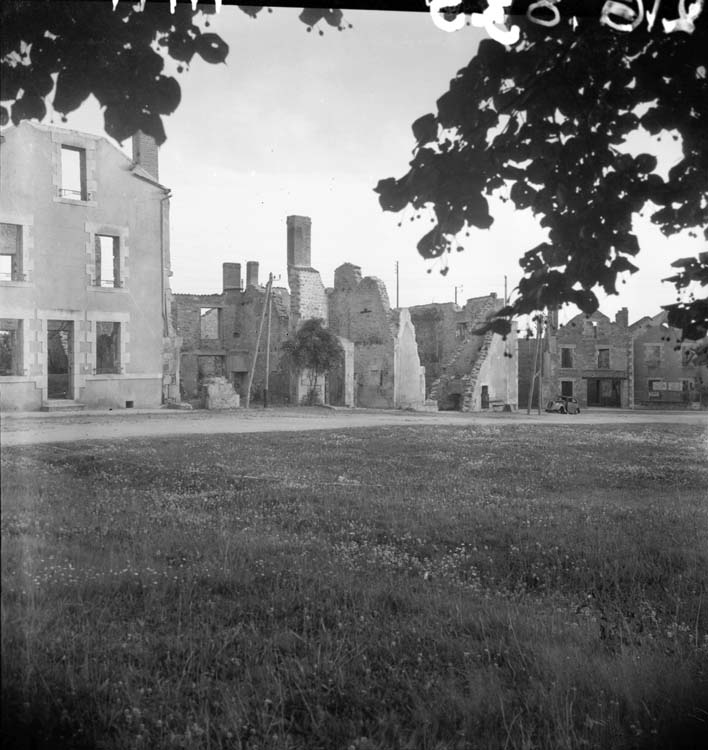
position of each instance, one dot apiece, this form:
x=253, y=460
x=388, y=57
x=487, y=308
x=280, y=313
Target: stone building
x=380, y=366
x=605, y=363
x=387, y=369
x=219, y=334
x=590, y=359
x=666, y=371
x=84, y=273
x=465, y=371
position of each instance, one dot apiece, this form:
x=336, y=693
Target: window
x=10, y=347
x=566, y=357
x=688, y=354
x=656, y=384
x=73, y=173
x=652, y=355
x=209, y=322
x=107, y=261
x=461, y=331
x=11, y=252
x=603, y=359
x=567, y=388
x=107, y=348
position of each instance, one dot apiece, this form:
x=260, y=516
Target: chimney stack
x=299, y=228
x=252, y=273
x=145, y=153
x=231, y=276
x=622, y=317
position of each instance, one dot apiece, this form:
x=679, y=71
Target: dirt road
x=26, y=429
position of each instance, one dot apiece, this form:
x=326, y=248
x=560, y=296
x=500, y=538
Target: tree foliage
x=542, y=124
x=315, y=349
x=116, y=55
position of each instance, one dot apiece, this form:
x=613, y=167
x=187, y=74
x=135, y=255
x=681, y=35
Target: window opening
x=11, y=252
x=107, y=261
x=107, y=348
x=209, y=322
x=10, y=349
x=73, y=173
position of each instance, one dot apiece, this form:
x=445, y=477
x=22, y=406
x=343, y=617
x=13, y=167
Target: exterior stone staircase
x=475, y=352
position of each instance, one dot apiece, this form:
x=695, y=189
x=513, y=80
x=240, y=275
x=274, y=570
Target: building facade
x=219, y=335
x=666, y=370
x=84, y=273
x=606, y=363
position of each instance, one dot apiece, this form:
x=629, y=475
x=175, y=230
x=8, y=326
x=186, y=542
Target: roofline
x=52, y=128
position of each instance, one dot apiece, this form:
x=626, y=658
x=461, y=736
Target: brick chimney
x=622, y=317
x=299, y=228
x=145, y=153
x=252, y=273
x=231, y=276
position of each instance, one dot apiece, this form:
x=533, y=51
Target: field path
x=31, y=428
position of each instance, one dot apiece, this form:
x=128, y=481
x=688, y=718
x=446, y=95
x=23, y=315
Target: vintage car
x=564, y=405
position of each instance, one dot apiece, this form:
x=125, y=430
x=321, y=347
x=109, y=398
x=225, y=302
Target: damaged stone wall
x=465, y=371
x=409, y=375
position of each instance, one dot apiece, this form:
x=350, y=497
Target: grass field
x=424, y=587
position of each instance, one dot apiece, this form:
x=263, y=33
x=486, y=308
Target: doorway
x=60, y=359
x=604, y=392
x=485, y=397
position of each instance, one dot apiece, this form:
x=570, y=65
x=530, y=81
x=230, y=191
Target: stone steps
x=61, y=404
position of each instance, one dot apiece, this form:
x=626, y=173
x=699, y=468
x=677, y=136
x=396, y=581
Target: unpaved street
x=25, y=429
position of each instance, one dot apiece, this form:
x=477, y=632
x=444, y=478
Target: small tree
x=313, y=348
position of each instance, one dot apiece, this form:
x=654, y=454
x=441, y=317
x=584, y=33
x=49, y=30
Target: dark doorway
x=60, y=356
x=335, y=385
x=604, y=392
x=485, y=397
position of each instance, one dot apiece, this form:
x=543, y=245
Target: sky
x=302, y=123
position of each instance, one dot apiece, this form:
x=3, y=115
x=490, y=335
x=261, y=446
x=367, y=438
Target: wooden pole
x=535, y=371
x=258, y=343
x=267, y=364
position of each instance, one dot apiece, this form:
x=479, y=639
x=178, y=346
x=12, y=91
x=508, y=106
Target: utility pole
x=269, y=302
x=460, y=287
x=258, y=341
x=537, y=352
x=506, y=296
x=397, y=285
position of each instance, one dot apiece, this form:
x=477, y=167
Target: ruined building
x=380, y=367
x=219, y=333
x=465, y=371
x=84, y=273
x=606, y=363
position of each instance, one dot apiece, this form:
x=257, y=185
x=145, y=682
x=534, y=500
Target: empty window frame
x=652, y=355
x=567, y=388
x=107, y=261
x=603, y=359
x=73, y=173
x=10, y=347
x=209, y=323
x=11, y=252
x=567, y=357
x=688, y=354
x=107, y=348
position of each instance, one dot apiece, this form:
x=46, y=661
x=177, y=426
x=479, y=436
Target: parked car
x=564, y=405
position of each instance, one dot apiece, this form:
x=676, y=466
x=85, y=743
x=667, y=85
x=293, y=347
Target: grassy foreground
x=478, y=587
